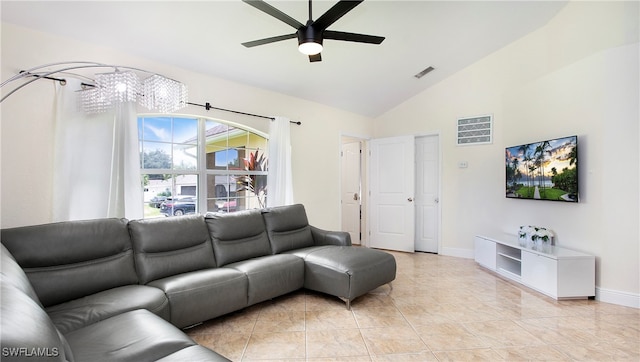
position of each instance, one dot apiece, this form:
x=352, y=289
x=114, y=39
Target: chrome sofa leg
x=347, y=302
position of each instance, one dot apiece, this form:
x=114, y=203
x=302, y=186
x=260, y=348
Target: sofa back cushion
x=287, y=227
x=170, y=246
x=237, y=236
x=72, y=259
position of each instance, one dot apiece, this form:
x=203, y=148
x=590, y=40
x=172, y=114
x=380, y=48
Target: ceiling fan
x=311, y=34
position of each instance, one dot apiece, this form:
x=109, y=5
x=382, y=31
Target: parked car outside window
x=178, y=206
x=156, y=201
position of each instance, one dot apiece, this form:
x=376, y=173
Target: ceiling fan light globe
x=310, y=48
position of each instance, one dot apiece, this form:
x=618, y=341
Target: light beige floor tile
x=503, y=333
x=230, y=345
x=559, y=330
x=420, y=315
x=394, y=340
x=449, y=336
x=335, y=343
x=412, y=357
x=380, y=317
x=276, y=321
x=468, y=355
x=533, y=353
x=330, y=319
x=366, y=358
x=277, y=345
x=598, y=352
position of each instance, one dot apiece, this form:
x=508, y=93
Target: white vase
x=522, y=240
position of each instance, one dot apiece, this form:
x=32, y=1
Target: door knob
x=437, y=200
x=355, y=196
x=410, y=199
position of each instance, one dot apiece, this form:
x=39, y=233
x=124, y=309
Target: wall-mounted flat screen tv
x=546, y=170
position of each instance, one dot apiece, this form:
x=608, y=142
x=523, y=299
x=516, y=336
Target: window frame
x=201, y=172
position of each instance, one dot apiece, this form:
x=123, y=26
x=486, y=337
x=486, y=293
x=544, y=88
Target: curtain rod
x=208, y=106
x=29, y=74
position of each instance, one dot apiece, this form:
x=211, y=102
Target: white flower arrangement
x=534, y=233
x=543, y=234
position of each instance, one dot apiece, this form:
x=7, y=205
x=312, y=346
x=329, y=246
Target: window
x=195, y=165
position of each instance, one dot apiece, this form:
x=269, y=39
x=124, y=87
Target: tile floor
x=440, y=309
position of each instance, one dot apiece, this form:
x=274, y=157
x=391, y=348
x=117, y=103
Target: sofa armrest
x=324, y=237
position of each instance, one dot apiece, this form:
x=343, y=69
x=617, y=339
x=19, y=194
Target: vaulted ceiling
x=206, y=37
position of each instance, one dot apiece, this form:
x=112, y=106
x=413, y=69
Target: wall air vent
x=475, y=130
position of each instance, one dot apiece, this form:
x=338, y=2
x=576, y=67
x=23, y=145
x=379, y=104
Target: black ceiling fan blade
x=315, y=58
x=335, y=13
x=264, y=7
x=358, y=38
x=274, y=39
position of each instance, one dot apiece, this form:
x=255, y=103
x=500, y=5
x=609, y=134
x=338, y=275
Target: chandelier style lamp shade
x=164, y=94
x=93, y=100
x=106, y=90
x=118, y=86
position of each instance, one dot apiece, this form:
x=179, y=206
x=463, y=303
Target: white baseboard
x=457, y=252
x=617, y=297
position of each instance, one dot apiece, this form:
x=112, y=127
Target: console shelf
x=557, y=272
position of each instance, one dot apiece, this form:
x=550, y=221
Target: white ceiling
x=206, y=37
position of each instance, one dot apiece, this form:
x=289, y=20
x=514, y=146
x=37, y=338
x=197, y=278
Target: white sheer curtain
x=280, y=179
x=96, y=161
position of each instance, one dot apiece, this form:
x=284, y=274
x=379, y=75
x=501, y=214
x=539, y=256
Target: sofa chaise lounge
x=120, y=290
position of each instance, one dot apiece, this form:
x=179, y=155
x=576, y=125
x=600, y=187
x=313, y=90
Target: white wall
x=576, y=75
x=27, y=127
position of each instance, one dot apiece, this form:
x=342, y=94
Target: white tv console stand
x=557, y=272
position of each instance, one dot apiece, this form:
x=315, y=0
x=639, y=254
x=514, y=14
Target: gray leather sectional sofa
x=119, y=290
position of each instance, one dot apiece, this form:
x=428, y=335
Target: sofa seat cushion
x=137, y=336
x=204, y=294
x=194, y=353
x=303, y=252
x=81, y=312
x=271, y=276
x=348, y=272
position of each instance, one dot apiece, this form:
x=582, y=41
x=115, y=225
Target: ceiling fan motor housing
x=308, y=34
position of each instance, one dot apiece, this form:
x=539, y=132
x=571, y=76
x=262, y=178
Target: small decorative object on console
x=534, y=234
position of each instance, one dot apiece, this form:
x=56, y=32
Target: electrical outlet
x=463, y=164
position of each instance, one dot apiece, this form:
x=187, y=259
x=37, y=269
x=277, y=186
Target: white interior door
x=351, y=194
x=427, y=199
x=391, y=185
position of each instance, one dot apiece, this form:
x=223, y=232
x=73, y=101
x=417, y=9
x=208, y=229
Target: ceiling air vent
x=475, y=130
x=424, y=72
